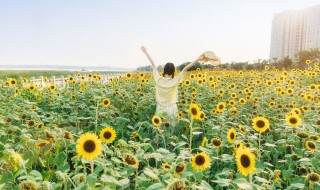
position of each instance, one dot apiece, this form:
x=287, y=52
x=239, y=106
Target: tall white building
x=293, y=31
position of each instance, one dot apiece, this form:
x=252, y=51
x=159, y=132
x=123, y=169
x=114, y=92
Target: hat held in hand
x=209, y=56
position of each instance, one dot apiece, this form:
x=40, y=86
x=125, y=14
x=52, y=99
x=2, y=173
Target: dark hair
x=169, y=69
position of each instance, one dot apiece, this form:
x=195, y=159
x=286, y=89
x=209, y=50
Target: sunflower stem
x=96, y=121
x=251, y=184
x=92, y=166
x=259, y=145
x=190, y=143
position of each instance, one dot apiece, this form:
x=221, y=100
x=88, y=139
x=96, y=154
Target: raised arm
x=185, y=69
x=144, y=50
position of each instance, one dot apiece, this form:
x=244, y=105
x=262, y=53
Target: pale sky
x=110, y=33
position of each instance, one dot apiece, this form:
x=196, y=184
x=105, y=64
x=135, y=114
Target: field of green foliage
x=234, y=130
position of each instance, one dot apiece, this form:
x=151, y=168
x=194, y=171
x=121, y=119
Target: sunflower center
x=217, y=142
x=194, y=111
x=89, y=146
x=313, y=177
x=260, y=124
x=311, y=145
x=245, y=161
x=293, y=120
x=130, y=160
x=232, y=135
x=156, y=120
x=107, y=135
x=179, y=168
x=200, y=160
x=221, y=107
x=106, y=102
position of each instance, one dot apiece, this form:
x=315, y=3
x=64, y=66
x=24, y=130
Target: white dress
x=167, y=93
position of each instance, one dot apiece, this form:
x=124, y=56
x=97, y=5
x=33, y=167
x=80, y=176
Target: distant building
x=293, y=31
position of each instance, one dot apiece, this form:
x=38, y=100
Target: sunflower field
x=234, y=130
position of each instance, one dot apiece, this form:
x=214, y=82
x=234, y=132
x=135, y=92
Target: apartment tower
x=293, y=31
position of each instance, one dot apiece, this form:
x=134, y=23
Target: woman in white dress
x=167, y=87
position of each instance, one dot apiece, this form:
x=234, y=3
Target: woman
x=167, y=87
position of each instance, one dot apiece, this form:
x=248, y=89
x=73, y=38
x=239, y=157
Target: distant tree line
x=299, y=62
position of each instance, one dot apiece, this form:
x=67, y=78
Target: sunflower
x=40, y=125
x=260, y=124
x=242, y=129
x=106, y=102
x=245, y=161
x=313, y=177
x=311, y=146
x=130, y=160
x=277, y=175
x=293, y=120
x=89, y=146
x=52, y=87
x=233, y=95
x=242, y=101
x=187, y=82
x=31, y=87
x=216, y=143
x=308, y=61
x=269, y=83
x=42, y=143
x=135, y=136
x=28, y=184
x=108, y=135
x=202, y=116
x=179, y=169
x=177, y=185
x=128, y=75
x=13, y=82
x=156, y=121
x=195, y=111
x=166, y=166
x=231, y=135
x=201, y=161
x=204, y=140
x=221, y=107
x=31, y=123
x=238, y=144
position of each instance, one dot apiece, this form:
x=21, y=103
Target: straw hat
x=209, y=56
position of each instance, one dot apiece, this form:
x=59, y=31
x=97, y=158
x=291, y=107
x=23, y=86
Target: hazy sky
x=110, y=33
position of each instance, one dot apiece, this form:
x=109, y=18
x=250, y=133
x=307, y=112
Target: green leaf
x=262, y=180
x=270, y=145
x=196, y=133
x=109, y=179
x=91, y=180
x=287, y=173
x=116, y=160
x=150, y=173
x=297, y=185
x=123, y=182
x=222, y=182
x=304, y=160
x=206, y=185
x=244, y=185
x=60, y=158
x=155, y=186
